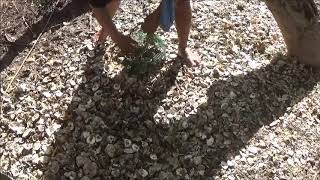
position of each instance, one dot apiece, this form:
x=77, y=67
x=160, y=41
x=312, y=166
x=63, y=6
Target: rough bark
x=298, y=22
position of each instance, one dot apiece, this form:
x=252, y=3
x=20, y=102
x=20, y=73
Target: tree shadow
x=110, y=129
x=235, y=110
x=104, y=109
x=70, y=11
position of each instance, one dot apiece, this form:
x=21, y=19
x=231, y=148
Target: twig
x=1, y=105
x=34, y=45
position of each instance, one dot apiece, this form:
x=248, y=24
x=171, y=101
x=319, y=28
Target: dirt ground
x=248, y=112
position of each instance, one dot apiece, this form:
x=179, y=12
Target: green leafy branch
x=149, y=56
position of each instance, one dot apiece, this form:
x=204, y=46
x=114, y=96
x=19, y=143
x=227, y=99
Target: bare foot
x=189, y=57
x=99, y=37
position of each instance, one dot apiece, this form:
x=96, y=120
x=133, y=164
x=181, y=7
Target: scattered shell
x=127, y=143
x=210, y=141
x=72, y=101
x=110, y=150
x=144, y=173
x=253, y=150
x=153, y=157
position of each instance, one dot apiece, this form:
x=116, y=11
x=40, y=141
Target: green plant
x=150, y=54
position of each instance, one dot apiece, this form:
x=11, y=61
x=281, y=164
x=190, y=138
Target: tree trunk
x=298, y=22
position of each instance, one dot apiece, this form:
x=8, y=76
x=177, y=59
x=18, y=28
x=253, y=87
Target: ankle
x=182, y=49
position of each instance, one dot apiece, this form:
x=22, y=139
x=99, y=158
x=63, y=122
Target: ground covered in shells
x=248, y=112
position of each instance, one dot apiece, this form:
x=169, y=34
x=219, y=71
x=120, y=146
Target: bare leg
x=183, y=24
x=151, y=22
x=100, y=15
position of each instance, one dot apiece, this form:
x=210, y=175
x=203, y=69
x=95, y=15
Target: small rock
x=160, y=109
x=216, y=73
x=95, y=87
x=85, y=134
x=18, y=128
x=27, y=133
x=70, y=175
x=98, y=138
x=14, y=170
x=170, y=116
x=250, y=160
x=54, y=167
x=274, y=123
x=2, y=141
x=197, y=160
x=231, y=177
x=224, y=165
x=210, y=141
x=46, y=94
x=91, y=140
x=27, y=146
x=232, y=95
x=290, y=162
x=166, y=175
x=127, y=143
x=111, y=139
x=58, y=93
x=154, y=168
x=81, y=160
x=185, y=124
x=181, y=172
x=36, y=146
x=253, y=64
x=128, y=150
x=153, y=157
x=116, y=86
x=110, y=150
x=144, y=173
x=115, y=172
x=253, y=150
x=44, y=159
x=135, y=147
x=85, y=178
x=172, y=56
x=90, y=168
x=230, y=163
x=227, y=142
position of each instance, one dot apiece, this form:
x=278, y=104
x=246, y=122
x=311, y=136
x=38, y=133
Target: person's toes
x=189, y=57
x=194, y=58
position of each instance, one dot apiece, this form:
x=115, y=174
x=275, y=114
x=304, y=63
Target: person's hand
x=126, y=44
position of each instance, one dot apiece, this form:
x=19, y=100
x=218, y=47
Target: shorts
x=99, y=3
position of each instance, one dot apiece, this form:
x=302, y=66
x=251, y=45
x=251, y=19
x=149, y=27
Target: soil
x=23, y=22
x=71, y=113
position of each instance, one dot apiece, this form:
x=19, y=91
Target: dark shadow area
x=236, y=109
x=109, y=109
x=4, y=177
x=68, y=12
x=107, y=112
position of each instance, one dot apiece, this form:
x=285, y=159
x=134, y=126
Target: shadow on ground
x=106, y=110
x=68, y=12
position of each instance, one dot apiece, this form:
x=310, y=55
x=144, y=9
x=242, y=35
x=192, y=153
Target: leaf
x=149, y=56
